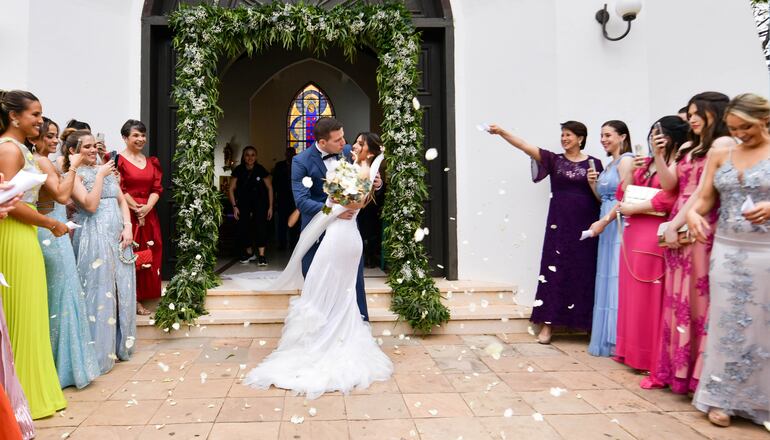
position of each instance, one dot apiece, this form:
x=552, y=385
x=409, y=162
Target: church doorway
x=431, y=17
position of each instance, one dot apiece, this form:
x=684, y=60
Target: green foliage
x=205, y=33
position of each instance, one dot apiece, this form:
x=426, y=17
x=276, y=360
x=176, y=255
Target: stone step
x=251, y=323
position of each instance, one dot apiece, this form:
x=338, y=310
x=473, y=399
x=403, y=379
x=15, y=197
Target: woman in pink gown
x=642, y=267
x=677, y=363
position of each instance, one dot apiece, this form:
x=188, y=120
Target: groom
x=313, y=162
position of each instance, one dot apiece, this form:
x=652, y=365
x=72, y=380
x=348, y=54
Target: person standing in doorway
x=251, y=194
x=284, y=201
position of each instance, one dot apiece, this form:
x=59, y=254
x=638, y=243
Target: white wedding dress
x=325, y=345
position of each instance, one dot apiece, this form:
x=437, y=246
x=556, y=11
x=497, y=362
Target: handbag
x=684, y=235
x=636, y=194
x=143, y=257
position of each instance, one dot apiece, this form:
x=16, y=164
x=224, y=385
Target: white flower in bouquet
x=347, y=183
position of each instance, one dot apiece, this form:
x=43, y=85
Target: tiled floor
x=444, y=388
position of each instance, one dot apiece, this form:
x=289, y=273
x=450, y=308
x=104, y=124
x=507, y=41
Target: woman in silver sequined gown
x=104, y=257
x=735, y=380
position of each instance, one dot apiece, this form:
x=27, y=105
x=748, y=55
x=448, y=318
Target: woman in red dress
x=140, y=180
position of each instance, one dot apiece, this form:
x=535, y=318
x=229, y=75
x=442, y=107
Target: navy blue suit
x=311, y=200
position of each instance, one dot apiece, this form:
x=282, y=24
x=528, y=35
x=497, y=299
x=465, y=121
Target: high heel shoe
x=648, y=383
x=719, y=417
x=544, y=337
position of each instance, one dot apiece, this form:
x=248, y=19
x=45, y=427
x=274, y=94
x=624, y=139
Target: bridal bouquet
x=347, y=183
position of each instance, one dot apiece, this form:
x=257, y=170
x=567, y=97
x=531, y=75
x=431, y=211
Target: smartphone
x=100, y=138
x=639, y=151
x=592, y=165
x=658, y=128
x=112, y=156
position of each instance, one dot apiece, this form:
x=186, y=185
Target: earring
x=15, y=123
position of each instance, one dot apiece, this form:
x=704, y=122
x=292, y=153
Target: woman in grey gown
x=735, y=380
x=105, y=260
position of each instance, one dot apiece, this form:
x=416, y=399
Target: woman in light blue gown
x=73, y=352
x=105, y=260
x=616, y=141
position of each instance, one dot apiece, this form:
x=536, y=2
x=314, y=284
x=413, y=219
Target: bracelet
x=127, y=224
x=53, y=228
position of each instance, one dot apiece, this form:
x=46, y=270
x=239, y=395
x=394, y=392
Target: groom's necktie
x=330, y=156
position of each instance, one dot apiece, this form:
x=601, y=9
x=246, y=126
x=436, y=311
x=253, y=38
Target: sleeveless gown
x=25, y=304
x=605, y=316
x=70, y=335
x=677, y=362
x=326, y=346
x=109, y=283
x=736, y=362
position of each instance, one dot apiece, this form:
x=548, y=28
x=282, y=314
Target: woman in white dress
x=325, y=345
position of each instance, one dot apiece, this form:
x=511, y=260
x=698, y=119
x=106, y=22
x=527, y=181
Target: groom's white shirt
x=330, y=162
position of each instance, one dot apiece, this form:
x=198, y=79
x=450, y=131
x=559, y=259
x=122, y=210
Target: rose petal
x=431, y=154
x=307, y=182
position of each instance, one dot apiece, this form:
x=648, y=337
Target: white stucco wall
x=530, y=64
x=80, y=57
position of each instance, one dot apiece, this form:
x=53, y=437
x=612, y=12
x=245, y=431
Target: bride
x=325, y=345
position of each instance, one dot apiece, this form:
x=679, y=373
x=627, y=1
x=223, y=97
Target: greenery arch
x=203, y=34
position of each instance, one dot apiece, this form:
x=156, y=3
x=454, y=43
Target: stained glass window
x=310, y=104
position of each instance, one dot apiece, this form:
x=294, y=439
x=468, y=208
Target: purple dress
x=567, y=265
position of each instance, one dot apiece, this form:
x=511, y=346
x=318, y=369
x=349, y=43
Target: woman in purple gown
x=565, y=292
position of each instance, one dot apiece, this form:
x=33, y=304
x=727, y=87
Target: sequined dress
x=109, y=283
x=736, y=362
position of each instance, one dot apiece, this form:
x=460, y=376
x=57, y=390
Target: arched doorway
x=431, y=17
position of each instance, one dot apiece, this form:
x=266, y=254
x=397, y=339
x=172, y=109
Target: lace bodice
x=30, y=166
x=733, y=191
x=110, y=188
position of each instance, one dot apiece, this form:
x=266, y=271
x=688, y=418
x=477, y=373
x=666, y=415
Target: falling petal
x=96, y=263
x=571, y=306
x=541, y=278
x=537, y=303
x=307, y=181
x=552, y=268
x=111, y=321
x=108, y=294
x=130, y=342
x=92, y=318
x=530, y=369
x=446, y=170
x=530, y=330
x=680, y=329
x=433, y=412
x=538, y=417
x=431, y=154
x=150, y=243
x=553, y=226
x=46, y=242
x=508, y=413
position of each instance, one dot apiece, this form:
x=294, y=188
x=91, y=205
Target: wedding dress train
x=325, y=345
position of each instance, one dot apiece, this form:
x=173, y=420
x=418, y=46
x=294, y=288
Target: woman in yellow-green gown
x=25, y=298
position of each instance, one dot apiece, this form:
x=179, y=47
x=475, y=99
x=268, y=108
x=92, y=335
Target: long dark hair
x=620, y=128
x=47, y=123
x=705, y=103
x=72, y=141
x=373, y=142
x=13, y=101
x=243, y=154
x=676, y=129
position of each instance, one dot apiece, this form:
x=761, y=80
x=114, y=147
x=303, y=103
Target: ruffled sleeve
x=543, y=168
x=157, y=184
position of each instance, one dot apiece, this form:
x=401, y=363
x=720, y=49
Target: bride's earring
x=15, y=123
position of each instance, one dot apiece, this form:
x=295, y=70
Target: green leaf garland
x=205, y=33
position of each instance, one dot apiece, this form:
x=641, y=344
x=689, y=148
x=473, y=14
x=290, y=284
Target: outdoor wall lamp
x=627, y=9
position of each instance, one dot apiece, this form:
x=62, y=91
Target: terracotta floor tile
x=95, y=391
x=665, y=399
x=466, y=428
x=178, y=344
x=437, y=405
x=376, y=406
x=118, y=412
x=140, y=357
x=571, y=343
x=568, y=403
x=599, y=363
x=266, y=343
x=120, y=372
x=587, y=426
x=255, y=355
x=411, y=360
x=462, y=364
x=495, y=403
x=740, y=429
x=192, y=388
x=175, y=431
x=327, y=408
x=54, y=433
x=176, y=357
x=240, y=390
x=466, y=383
x=511, y=364
x=315, y=430
x=518, y=427
x=584, y=380
x=226, y=350
x=397, y=429
x=380, y=387
x=224, y=370
x=160, y=370
x=627, y=378
x=654, y=426
x=248, y=409
x=560, y=363
x=440, y=340
x=144, y=390
x=511, y=338
x=423, y=383
x=536, y=381
x=106, y=433
x=73, y=415
x=245, y=431
x=187, y=411
x=536, y=350
x=617, y=401
x=481, y=341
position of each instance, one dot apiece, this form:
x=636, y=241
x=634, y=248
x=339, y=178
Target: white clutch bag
x=636, y=194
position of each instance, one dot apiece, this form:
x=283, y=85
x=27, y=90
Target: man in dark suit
x=313, y=163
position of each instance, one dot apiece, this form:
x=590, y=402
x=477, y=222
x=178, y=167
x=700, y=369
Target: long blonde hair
x=750, y=107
